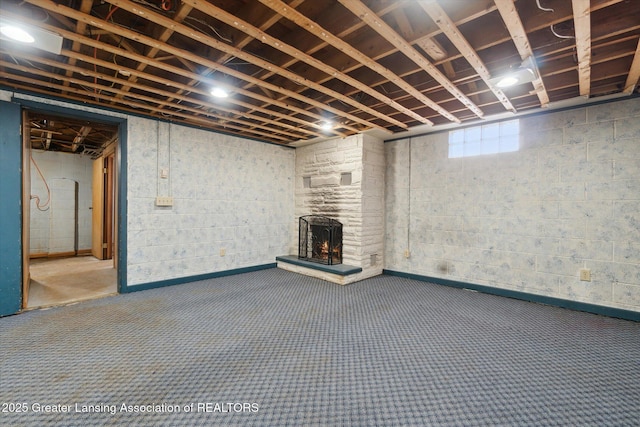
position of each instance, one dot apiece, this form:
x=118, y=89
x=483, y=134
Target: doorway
x=69, y=203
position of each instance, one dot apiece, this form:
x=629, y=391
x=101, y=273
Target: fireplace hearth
x=320, y=239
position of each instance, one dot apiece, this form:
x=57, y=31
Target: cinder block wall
x=527, y=220
x=232, y=201
x=343, y=178
x=50, y=229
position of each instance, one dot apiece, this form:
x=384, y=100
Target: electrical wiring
x=95, y=50
x=220, y=36
x=545, y=9
x=37, y=198
x=551, y=27
x=560, y=36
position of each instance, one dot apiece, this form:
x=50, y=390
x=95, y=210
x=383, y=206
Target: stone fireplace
x=341, y=180
x=320, y=239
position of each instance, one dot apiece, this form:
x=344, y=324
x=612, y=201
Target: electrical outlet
x=407, y=254
x=585, y=274
x=223, y=252
x=164, y=201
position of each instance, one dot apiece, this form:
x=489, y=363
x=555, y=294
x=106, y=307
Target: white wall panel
x=528, y=220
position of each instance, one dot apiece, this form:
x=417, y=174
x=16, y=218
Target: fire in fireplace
x=320, y=239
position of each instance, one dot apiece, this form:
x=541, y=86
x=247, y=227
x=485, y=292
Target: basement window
x=501, y=137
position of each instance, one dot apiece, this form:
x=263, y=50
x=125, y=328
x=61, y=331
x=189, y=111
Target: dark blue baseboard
x=558, y=302
x=188, y=279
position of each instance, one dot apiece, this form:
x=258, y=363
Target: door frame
x=120, y=162
x=26, y=206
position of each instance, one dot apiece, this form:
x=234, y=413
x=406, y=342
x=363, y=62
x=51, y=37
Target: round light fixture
x=16, y=33
x=219, y=92
x=507, y=81
x=326, y=125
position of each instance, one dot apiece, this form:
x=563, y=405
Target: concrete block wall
x=51, y=231
x=233, y=201
x=529, y=220
x=342, y=178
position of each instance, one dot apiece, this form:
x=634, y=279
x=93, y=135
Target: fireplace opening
x=320, y=239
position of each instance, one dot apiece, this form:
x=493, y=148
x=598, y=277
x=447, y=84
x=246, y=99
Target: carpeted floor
x=273, y=348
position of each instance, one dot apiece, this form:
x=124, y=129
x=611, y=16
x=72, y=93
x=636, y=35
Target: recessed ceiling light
x=16, y=33
x=219, y=92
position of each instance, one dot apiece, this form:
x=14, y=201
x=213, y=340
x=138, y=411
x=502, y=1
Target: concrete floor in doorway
x=59, y=281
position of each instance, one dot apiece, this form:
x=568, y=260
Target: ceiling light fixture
x=218, y=92
x=525, y=73
x=326, y=125
x=31, y=36
x=16, y=33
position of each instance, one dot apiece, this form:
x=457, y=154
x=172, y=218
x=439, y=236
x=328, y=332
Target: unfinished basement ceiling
x=49, y=132
x=390, y=66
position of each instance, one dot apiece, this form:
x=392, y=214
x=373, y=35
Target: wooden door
x=97, y=214
x=102, y=230
x=107, y=234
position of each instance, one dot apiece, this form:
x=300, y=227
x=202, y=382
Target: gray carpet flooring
x=273, y=348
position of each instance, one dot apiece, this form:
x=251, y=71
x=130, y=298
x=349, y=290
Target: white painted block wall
x=528, y=220
x=50, y=231
x=233, y=201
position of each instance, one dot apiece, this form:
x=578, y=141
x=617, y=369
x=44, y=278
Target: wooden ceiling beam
x=80, y=137
x=324, y=34
x=81, y=27
x=183, y=11
x=634, y=73
x=377, y=24
x=389, y=8
x=49, y=5
x=31, y=85
x=223, y=47
x=246, y=39
x=282, y=46
x=171, y=69
x=450, y=29
x=343, y=34
x=582, y=24
x=160, y=108
x=428, y=44
x=48, y=142
x=192, y=89
x=514, y=25
x=79, y=57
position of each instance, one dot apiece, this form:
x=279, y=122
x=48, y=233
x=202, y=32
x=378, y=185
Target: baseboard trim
x=80, y=252
x=189, y=279
x=541, y=299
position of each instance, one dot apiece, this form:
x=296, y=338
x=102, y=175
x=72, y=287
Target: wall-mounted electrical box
x=585, y=274
x=164, y=201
